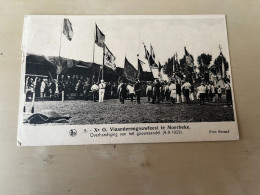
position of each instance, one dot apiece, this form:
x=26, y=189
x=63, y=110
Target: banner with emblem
x=109, y=60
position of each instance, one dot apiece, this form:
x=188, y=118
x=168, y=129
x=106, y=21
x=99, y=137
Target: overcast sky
x=125, y=36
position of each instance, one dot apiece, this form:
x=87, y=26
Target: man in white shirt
x=131, y=91
x=186, y=87
x=102, y=87
x=94, y=90
x=202, y=91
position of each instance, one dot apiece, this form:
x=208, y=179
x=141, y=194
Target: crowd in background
x=80, y=87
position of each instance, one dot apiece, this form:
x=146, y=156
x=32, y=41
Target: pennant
x=100, y=38
x=67, y=29
x=109, y=58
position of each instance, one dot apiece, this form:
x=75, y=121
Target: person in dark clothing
x=52, y=89
x=138, y=89
x=156, y=91
x=122, y=91
x=86, y=89
x=78, y=89
x=178, y=92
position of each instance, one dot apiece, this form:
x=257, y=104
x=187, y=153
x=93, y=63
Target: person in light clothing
x=131, y=91
x=102, y=87
x=172, y=89
x=94, y=90
x=219, y=94
x=186, y=87
x=202, y=91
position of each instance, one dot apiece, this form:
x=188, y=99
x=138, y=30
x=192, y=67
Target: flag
x=188, y=58
x=152, y=52
x=109, y=58
x=129, y=71
x=100, y=38
x=146, y=53
x=140, y=70
x=61, y=64
x=67, y=29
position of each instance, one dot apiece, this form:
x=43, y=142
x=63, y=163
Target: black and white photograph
x=108, y=78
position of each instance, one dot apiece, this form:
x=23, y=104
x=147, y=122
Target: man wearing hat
x=102, y=87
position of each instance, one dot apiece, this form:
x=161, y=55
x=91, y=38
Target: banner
x=109, y=58
x=130, y=72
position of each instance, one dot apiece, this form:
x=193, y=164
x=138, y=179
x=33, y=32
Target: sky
x=125, y=36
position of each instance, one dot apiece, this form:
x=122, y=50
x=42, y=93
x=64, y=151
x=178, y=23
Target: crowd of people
x=174, y=91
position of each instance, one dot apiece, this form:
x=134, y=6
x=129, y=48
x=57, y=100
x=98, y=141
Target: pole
x=94, y=44
x=61, y=35
x=103, y=62
x=139, y=71
x=57, y=89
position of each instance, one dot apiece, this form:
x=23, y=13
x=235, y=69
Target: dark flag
x=67, y=29
x=140, y=70
x=129, y=71
x=147, y=55
x=100, y=38
x=188, y=58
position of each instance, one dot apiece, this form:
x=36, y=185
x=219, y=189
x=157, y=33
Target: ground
x=113, y=112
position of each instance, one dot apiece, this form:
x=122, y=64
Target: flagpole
x=94, y=44
x=61, y=35
x=103, y=61
x=57, y=88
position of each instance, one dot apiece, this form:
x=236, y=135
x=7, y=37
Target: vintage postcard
x=125, y=79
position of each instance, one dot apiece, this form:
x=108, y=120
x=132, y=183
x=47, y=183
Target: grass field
x=113, y=112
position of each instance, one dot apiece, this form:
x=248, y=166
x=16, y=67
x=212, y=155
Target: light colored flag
x=100, y=37
x=67, y=29
x=109, y=58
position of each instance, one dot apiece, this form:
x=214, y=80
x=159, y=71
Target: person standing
x=172, y=89
x=156, y=91
x=78, y=89
x=149, y=91
x=178, y=92
x=186, y=87
x=43, y=86
x=102, y=87
x=131, y=91
x=228, y=93
x=94, y=90
x=201, y=92
x=122, y=91
x=137, y=89
x=86, y=89
x=192, y=93
x=219, y=94
x=167, y=91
